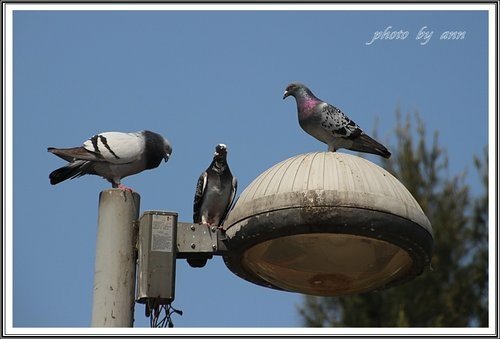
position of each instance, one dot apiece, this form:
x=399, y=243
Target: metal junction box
x=157, y=250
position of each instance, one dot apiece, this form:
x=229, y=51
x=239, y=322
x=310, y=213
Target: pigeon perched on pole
x=215, y=191
x=330, y=125
x=113, y=156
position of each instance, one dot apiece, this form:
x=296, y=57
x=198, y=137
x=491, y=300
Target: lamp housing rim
x=382, y=226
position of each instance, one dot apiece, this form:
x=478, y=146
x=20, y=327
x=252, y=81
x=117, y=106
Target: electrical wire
x=161, y=316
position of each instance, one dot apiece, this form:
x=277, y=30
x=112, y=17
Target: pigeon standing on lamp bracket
x=215, y=191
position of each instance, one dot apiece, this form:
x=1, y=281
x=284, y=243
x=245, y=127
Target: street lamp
x=327, y=224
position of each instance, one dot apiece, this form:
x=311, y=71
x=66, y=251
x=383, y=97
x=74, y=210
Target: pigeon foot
x=125, y=188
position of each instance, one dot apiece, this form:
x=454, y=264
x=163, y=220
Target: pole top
x=119, y=192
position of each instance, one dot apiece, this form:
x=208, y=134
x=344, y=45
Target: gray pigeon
x=215, y=191
x=112, y=155
x=330, y=125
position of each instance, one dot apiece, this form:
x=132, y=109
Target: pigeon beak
x=285, y=94
x=167, y=157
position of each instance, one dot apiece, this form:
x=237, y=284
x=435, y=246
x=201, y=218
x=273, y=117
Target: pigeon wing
x=234, y=189
x=73, y=154
x=198, y=196
x=337, y=123
x=115, y=147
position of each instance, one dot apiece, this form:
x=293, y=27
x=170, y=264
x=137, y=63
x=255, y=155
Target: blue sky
x=201, y=78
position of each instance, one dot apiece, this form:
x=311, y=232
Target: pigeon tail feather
x=366, y=144
x=71, y=171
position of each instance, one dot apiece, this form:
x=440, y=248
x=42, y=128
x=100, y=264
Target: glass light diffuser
x=327, y=264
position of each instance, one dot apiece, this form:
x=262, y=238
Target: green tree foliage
x=453, y=291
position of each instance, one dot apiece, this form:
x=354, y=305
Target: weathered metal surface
x=114, y=277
